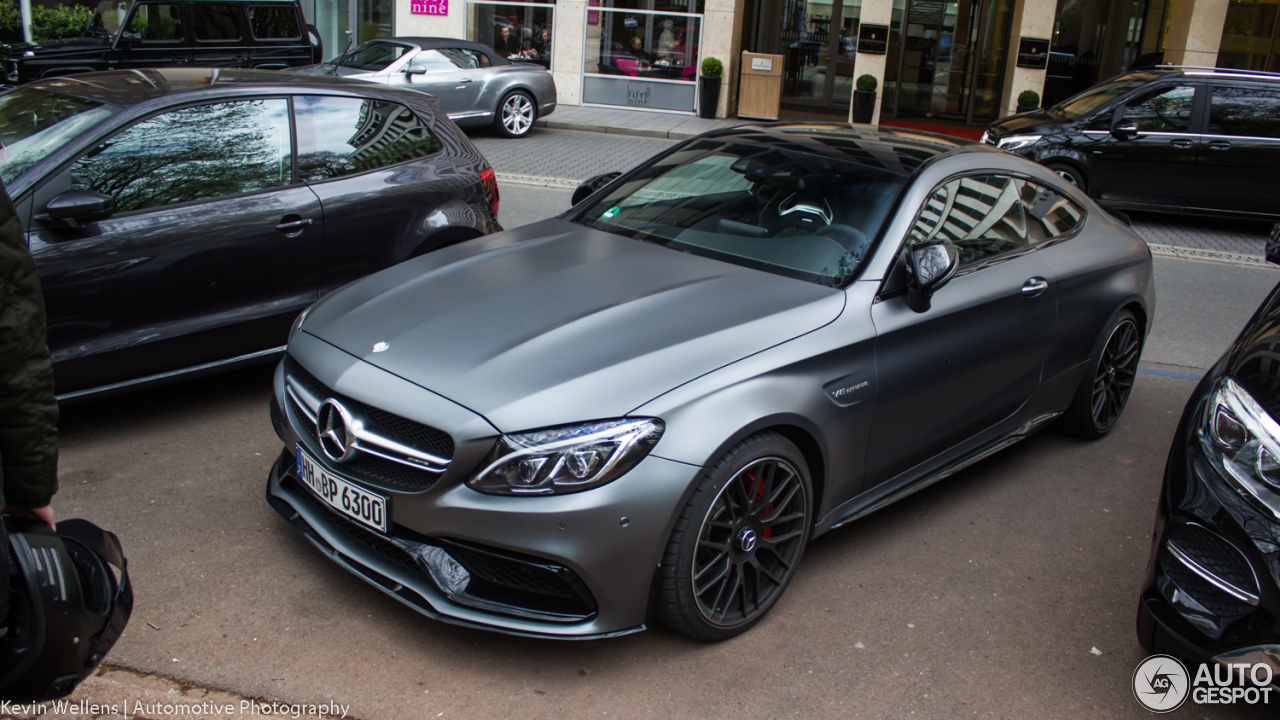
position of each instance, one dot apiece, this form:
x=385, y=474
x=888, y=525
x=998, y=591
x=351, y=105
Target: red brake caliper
x=767, y=531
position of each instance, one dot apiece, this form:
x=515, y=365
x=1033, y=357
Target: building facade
x=959, y=60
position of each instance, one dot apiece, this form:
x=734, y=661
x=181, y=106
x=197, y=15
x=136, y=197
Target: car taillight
x=489, y=179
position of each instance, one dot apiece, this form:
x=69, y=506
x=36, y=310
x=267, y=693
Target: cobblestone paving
x=565, y=154
x=571, y=157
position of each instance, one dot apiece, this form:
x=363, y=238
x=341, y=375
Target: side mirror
x=74, y=208
x=416, y=69
x=930, y=266
x=130, y=36
x=1273, y=245
x=1124, y=130
x=588, y=187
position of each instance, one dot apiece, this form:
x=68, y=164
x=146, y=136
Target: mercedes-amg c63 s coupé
x=646, y=407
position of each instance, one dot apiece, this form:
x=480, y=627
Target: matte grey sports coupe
x=646, y=407
x=474, y=83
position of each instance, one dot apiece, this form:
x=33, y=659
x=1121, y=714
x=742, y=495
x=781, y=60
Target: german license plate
x=365, y=507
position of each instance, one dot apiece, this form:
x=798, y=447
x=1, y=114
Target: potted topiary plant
x=864, y=98
x=1028, y=100
x=709, y=87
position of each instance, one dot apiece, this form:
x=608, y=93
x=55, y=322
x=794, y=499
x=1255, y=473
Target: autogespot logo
x=1161, y=683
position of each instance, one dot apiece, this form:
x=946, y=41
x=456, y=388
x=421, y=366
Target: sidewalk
x=639, y=123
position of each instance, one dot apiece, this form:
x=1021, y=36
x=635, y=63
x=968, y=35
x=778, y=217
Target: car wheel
x=1071, y=175
x=1104, y=390
x=738, y=540
x=516, y=114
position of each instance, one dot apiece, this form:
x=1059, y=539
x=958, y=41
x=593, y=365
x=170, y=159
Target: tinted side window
x=344, y=136
x=195, y=153
x=465, y=59
x=216, y=21
x=1049, y=215
x=1161, y=110
x=274, y=22
x=982, y=215
x=436, y=61
x=1245, y=111
x=157, y=22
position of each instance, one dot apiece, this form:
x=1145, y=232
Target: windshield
x=373, y=56
x=1099, y=95
x=802, y=215
x=107, y=18
x=35, y=123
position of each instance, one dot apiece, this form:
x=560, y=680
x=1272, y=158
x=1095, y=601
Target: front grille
x=527, y=587
x=387, y=474
x=1216, y=556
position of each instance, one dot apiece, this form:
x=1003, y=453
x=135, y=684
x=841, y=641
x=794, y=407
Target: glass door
x=818, y=42
x=952, y=59
x=333, y=21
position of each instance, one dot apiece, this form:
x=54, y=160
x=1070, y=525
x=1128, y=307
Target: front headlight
x=1018, y=141
x=566, y=459
x=1243, y=440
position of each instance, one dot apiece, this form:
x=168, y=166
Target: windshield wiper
x=337, y=62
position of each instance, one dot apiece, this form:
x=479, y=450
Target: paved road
x=980, y=597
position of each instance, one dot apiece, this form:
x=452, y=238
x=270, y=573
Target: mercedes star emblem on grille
x=335, y=429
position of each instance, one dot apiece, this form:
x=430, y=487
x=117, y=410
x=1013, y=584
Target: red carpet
x=960, y=131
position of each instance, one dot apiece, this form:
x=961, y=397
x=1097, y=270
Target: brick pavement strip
x=113, y=693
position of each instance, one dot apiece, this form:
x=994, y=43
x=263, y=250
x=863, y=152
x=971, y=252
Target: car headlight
x=566, y=459
x=1243, y=440
x=1018, y=141
x=297, y=323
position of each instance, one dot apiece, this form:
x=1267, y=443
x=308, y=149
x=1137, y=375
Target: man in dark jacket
x=28, y=410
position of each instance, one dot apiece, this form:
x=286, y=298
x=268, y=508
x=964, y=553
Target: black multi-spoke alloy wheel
x=738, y=541
x=1104, y=390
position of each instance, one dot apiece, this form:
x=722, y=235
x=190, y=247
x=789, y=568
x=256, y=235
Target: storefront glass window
x=521, y=32
x=1249, y=36
x=643, y=45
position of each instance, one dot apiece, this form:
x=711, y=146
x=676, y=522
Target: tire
x=1105, y=388
x=1071, y=175
x=515, y=114
x=742, y=553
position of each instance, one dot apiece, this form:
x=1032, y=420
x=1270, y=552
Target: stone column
x=874, y=12
x=570, y=27
x=1195, y=31
x=1033, y=19
x=722, y=39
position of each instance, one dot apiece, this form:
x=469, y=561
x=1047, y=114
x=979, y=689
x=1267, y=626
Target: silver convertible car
x=646, y=407
x=474, y=84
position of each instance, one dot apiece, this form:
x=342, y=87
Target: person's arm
x=28, y=409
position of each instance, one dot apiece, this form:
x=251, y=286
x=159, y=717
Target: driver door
x=154, y=36
x=450, y=76
x=974, y=357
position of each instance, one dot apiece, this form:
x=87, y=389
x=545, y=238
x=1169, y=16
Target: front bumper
x=570, y=566
x=1213, y=578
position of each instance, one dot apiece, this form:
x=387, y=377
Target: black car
x=1193, y=140
x=182, y=218
x=127, y=34
x=1212, y=591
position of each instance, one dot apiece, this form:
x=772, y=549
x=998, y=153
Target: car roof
x=899, y=150
x=1195, y=71
x=125, y=88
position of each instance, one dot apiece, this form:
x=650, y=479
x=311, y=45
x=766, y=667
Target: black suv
x=1195, y=140
x=129, y=34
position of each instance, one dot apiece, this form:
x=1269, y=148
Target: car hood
x=59, y=48
x=554, y=323
x=1036, y=121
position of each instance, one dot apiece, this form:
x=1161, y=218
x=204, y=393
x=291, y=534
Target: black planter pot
x=864, y=105
x=708, y=96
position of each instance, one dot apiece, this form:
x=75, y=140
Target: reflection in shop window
x=648, y=46
x=521, y=32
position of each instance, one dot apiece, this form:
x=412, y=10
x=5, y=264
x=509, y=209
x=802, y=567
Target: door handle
x=1219, y=145
x=1184, y=144
x=291, y=226
x=464, y=81
x=1034, y=287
